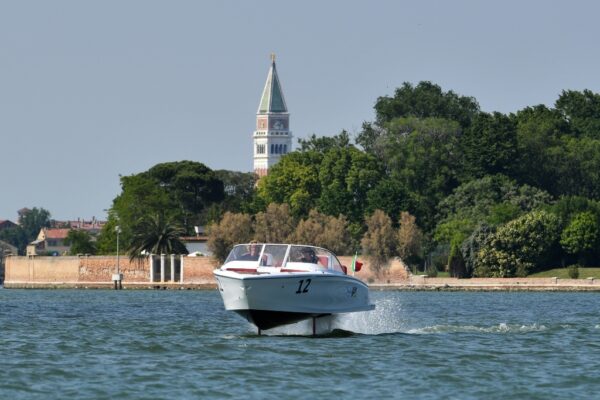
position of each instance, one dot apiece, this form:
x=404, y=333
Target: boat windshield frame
x=243, y=252
x=279, y=255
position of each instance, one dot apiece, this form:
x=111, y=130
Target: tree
x=324, y=143
x=81, y=242
x=346, y=176
x=568, y=206
x=476, y=199
x=578, y=165
x=391, y=196
x=521, y=245
x=275, y=225
x=581, y=236
x=422, y=157
x=238, y=187
x=582, y=110
x=368, y=137
x=456, y=263
x=336, y=235
x=410, y=239
x=491, y=200
x=233, y=229
x=424, y=101
x=17, y=237
x=324, y=231
x=379, y=242
x=489, y=146
x=538, y=137
x=33, y=221
x=156, y=234
x=294, y=180
x=179, y=191
x=191, y=185
x=470, y=251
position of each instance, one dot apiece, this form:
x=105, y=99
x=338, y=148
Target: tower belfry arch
x=272, y=137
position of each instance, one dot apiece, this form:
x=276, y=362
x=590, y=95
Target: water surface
x=182, y=344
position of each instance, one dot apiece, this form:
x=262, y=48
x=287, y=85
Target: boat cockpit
x=269, y=258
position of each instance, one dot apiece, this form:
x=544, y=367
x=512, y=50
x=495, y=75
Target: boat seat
x=266, y=260
x=324, y=261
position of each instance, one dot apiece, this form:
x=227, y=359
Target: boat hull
x=271, y=319
x=279, y=299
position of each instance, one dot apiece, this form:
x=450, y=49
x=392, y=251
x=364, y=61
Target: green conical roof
x=272, y=100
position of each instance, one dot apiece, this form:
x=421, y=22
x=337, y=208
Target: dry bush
x=379, y=242
x=410, y=238
x=275, y=225
x=324, y=231
x=231, y=230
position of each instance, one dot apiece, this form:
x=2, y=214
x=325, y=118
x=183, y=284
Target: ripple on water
x=147, y=344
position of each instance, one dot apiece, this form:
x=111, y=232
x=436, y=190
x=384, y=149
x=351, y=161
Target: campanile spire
x=272, y=137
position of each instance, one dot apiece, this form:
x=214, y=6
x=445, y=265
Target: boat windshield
x=315, y=255
x=273, y=255
x=276, y=255
x=245, y=252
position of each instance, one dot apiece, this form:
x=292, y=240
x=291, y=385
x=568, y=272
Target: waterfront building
x=49, y=241
x=272, y=137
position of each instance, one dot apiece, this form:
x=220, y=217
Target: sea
x=144, y=344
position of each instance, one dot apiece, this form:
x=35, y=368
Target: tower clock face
x=277, y=124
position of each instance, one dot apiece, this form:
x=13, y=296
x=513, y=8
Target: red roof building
x=50, y=241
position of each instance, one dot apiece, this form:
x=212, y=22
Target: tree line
x=493, y=194
x=443, y=184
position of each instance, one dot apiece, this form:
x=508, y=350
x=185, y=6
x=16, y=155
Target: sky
x=94, y=90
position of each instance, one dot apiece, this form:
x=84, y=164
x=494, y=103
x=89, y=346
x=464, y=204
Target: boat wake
x=500, y=328
x=388, y=319
x=385, y=319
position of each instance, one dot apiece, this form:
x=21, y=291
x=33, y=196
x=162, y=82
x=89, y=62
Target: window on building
x=285, y=149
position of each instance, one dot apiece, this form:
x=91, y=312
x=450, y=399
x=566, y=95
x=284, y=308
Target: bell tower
x=272, y=137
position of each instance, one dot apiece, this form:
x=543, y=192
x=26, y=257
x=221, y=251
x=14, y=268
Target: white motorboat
x=278, y=284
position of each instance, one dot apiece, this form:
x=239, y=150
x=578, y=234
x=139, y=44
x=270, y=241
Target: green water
x=182, y=344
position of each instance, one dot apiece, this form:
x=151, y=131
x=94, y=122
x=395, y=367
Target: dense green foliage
x=471, y=178
x=155, y=234
x=15, y=236
x=581, y=236
x=519, y=247
x=177, y=192
x=28, y=229
x=33, y=221
x=431, y=178
x=81, y=242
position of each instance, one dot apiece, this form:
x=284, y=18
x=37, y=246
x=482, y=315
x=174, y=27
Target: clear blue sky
x=91, y=90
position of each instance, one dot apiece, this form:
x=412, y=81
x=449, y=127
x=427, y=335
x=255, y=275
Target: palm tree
x=156, y=235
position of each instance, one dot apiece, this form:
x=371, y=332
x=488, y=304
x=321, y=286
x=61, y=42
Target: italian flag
x=356, y=265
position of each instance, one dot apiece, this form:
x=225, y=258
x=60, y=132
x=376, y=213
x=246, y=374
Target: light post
x=118, y=278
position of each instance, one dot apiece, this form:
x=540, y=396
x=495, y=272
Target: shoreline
x=524, y=285
x=196, y=273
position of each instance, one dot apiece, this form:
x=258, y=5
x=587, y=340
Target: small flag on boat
x=356, y=265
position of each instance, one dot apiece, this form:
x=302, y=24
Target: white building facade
x=272, y=137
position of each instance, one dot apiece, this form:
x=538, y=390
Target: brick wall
x=196, y=270
x=100, y=269
x=73, y=269
x=199, y=269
